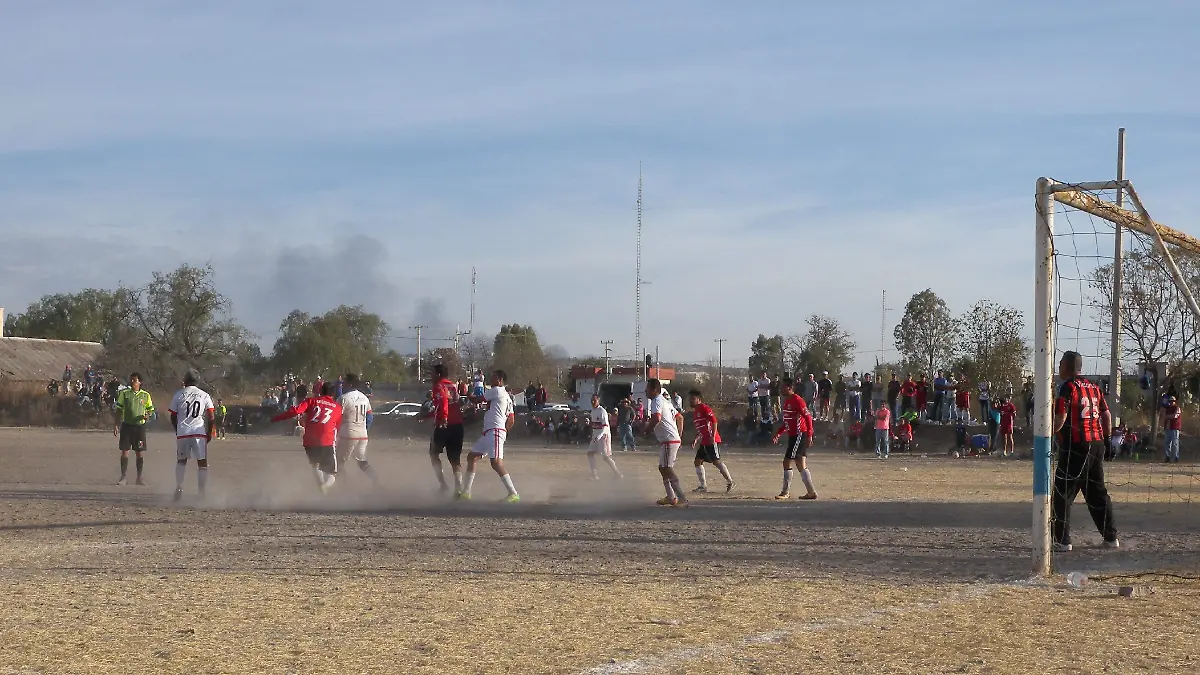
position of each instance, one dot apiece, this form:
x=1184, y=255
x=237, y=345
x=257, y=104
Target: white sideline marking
x=684, y=655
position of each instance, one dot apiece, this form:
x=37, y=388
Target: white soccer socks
x=612, y=464
x=806, y=476
x=592, y=465
x=464, y=482
x=180, y=470
x=787, y=482
x=202, y=478
x=700, y=476
x=679, y=493
x=508, y=484
x=725, y=473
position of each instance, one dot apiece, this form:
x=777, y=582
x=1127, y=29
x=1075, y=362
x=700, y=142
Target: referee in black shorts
x=1082, y=434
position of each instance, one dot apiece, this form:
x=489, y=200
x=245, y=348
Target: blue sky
x=798, y=157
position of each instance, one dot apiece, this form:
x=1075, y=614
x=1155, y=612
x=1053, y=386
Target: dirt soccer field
x=914, y=565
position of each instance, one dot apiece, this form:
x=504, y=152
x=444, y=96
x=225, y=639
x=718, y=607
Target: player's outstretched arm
x=293, y=411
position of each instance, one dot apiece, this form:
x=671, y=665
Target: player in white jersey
x=666, y=421
x=601, y=440
x=192, y=417
x=356, y=420
x=496, y=422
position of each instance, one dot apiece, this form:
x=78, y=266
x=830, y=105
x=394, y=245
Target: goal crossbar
x=1080, y=199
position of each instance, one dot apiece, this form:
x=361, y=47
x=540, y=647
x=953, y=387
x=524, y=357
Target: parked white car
x=398, y=409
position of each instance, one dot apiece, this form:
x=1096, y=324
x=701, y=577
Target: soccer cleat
x=809, y=496
x=728, y=488
x=681, y=503
x=122, y=481
x=325, y=487
x=667, y=501
x=511, y=499
x=783, y=495
x=140, y=481
x=462, y=496
x=178, y=494
x=701, y=489
x=1060, y=548
x=1115, y=543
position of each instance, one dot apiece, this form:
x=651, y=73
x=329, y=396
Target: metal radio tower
x=637, y=330
x=471, y=326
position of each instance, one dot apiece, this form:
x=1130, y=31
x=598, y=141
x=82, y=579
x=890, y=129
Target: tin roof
x=34, y=359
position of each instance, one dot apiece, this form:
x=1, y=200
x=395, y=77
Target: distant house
x=37, y=360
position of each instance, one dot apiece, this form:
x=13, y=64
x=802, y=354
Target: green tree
x=928, y=333
x=91, y=315
x=825, y=345
x=179, y=321
x=445, y=356
x=517, y=351
x=766, y=354
x=990, y=344
x=343, y=340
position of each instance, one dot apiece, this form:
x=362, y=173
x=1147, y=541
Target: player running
x=448, y=429
x=601, y=440
x=321, y=415
x=496, y=422
x=708, y=440
x=131, y=411
x=665, y=420
x=192, y=418
x=356, y=420
x=798, y=423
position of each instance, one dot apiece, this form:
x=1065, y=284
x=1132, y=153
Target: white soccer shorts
x=667, y=452
x=602, y=445
x=191, y=448
x=352, y=447
x=490, y=444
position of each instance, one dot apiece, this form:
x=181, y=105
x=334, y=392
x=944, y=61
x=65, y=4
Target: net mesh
x=1156, y=505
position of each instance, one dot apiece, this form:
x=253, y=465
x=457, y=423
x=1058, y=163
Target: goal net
x=1137, y=326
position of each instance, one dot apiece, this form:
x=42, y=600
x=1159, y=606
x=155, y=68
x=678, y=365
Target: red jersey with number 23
x=320, y=416
x=706, y=425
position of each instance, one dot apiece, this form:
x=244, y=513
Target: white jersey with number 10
x=191, y=405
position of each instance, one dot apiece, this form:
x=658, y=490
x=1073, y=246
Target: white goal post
x=1079, y=196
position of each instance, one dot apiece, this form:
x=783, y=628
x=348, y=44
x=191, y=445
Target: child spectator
x=883, y=423
x=1008, y=419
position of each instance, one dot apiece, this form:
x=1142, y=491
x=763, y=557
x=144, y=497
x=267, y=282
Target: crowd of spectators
x=90, y=389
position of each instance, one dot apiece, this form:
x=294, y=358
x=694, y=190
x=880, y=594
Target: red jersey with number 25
x=796, y=418
x=320, y=417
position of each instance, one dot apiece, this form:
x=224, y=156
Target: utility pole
x=459, y=334
x=637, y=321
x=882, y=334
x=418, y=329
x=721, y=367
x=607, y=358
x=1114, y=357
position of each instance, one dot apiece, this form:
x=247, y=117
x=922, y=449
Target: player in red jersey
x=1008, y=419
x=708, y=441
x=448, y=429
x=798, y=423
x=321, y=416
